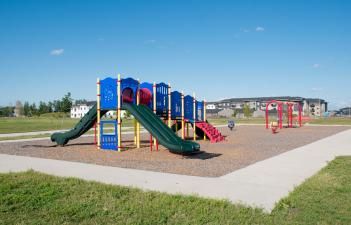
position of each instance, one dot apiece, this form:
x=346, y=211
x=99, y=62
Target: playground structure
x=280, y=108
x=159, y=110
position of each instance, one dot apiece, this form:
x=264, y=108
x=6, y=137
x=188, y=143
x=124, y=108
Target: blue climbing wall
x=148, y=86
x=161, y=97
x=130, y=83
x=199, y=111
x=109, y=140
x=108, y=93
x=176, y=104
x=188, y=107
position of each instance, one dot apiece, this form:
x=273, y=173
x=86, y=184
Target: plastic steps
x=211, y=132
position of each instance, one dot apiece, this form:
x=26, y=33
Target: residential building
x=310, y=106
x=79, y=110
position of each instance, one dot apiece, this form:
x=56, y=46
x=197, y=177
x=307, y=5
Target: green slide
x=84, y=124
x=161, y=131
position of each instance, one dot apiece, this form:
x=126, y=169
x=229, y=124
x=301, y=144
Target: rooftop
x=266, y=99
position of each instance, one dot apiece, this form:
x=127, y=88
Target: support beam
x=98, y=112
x=119, y=105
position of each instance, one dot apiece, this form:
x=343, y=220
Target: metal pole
x=98, y=113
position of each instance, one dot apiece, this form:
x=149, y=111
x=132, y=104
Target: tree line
x=31, y=109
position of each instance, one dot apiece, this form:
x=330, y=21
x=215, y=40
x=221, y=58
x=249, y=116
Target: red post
x=156, y=145
x=280, y=108
x=290, y=114
x=151, y=143
x=300, y=116
x=267, y=114
x=281, y=116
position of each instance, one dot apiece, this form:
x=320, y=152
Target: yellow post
x=194, y=115
x=154, y=103
x=169, y=106
x=204, y=115
x=138, y=124
x=98, y=112
x=135, y=131
x=183, y=122
x=119, y=127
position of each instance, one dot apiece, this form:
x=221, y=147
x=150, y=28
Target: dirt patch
x=243, y=146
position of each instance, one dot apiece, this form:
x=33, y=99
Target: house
x=345, y=111
x=226, y=113
x=79, y=110
x=310, y=106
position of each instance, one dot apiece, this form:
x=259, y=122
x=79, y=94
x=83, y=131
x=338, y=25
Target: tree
x=50, y=107
x=235, y=113
x=66, y=103
x=247, y=111
x=26, y=109
x=81, y=101
x=19, y=109
x=57, y=106
x=6, y=111
x=33, y=110
x=42, y=108
x=127, y=114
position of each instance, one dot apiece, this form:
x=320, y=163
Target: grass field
x=33, y=198
x=221, y=121
x=318, y=121
x=19, y=125
x=332, y=121
x=48, y=135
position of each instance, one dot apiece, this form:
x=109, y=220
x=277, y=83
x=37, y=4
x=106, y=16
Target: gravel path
x=244, y=146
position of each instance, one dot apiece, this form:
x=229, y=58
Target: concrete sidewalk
x=261, y=184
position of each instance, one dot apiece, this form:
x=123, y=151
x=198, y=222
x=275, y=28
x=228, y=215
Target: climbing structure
x=209, y=131
x=154, y=106
x=280, y=110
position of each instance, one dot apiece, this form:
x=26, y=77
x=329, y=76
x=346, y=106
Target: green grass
x=224, y=121
x=34, y=198
x=19, y=125
x=332, y=121
x=24, y=137
x=127, y=129
x=16, y=125
x=318, y=121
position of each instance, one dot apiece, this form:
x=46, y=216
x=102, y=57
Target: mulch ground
x=243, y=146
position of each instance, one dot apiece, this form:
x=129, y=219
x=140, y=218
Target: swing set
x=280, y=110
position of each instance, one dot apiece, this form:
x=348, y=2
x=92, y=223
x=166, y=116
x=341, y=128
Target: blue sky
x=217, y=48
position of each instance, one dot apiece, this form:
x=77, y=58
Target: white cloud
x=316, y=65
x=57, y=52
x=246, y=30
x=259, y=29
x=151, y=41
x=236, y=36
x=315, y=89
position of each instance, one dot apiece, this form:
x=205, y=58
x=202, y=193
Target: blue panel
x=108, y=92
x=110, y=140
x=199, y=111
x=176, y=104
x=148, y=86
x=132, y=84
x=188, y=107
x=161, y=97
